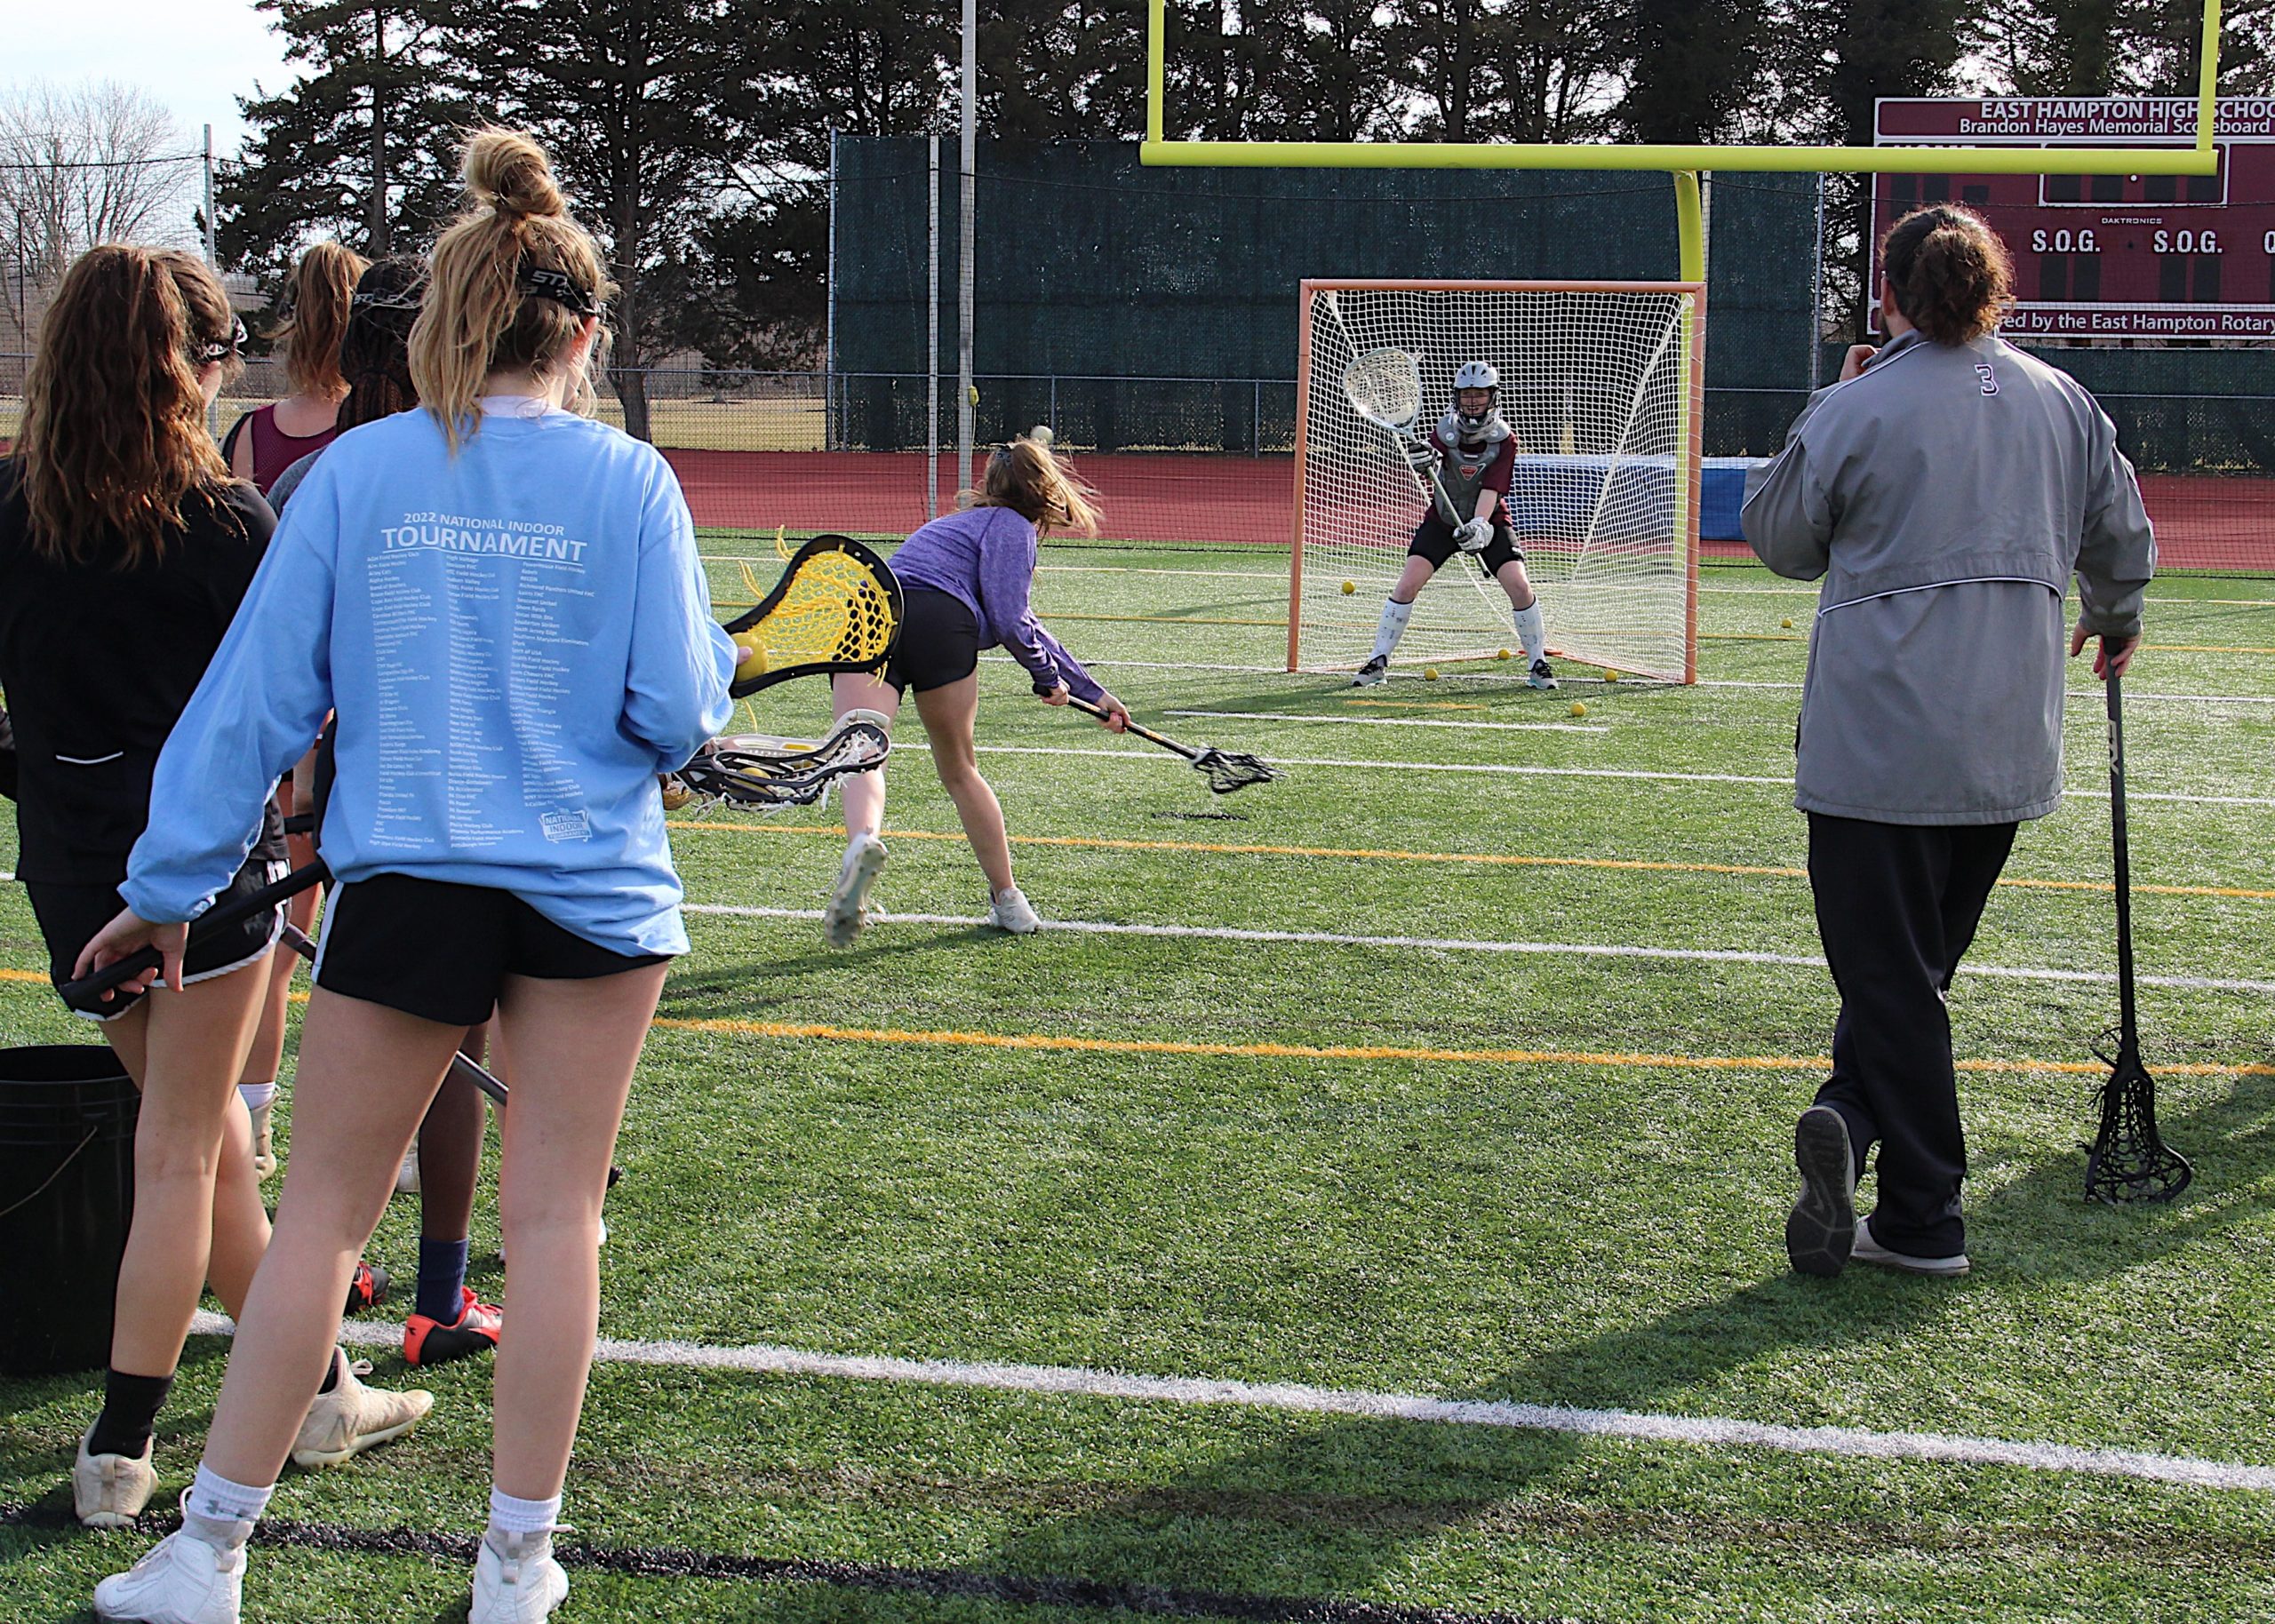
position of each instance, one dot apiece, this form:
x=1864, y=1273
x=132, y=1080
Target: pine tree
x=362, y=146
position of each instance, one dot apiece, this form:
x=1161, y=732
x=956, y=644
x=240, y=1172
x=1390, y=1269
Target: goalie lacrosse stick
x=1227, y=770
x=762, y=772
x=836, y=607
x=1384, y=386
x=2129, y=1159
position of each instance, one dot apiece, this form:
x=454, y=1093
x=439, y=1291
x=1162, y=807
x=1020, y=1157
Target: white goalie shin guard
x=1532, y=632
x=1391, y=627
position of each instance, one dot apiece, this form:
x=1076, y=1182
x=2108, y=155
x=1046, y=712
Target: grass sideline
x=1599, y=1234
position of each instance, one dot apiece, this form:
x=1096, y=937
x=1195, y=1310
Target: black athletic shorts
x=70, y=916
x=441, y=951
x=939, y=641
x=1434, y=539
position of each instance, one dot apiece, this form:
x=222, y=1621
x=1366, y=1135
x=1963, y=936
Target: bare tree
x=81, y=164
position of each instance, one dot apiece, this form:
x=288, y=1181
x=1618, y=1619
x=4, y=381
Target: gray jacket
x=1946, y=497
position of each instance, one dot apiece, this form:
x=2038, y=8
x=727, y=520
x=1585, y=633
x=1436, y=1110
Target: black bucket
x=67, y=1195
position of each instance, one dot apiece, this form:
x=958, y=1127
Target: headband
x=539, y=282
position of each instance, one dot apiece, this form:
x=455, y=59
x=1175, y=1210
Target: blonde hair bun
x=508, y=171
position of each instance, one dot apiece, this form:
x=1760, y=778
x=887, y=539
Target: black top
x=98, y=665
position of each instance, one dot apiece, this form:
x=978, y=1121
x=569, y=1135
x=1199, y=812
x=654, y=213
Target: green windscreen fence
x=1136, y=309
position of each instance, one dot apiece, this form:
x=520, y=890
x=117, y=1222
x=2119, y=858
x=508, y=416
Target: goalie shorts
x=1434, y=539
x=939, y=641
x=70, y=916
x=442, y=952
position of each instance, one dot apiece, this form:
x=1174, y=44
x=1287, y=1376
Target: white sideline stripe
x=1704, y=1431
x=2077, y=695
x=1548, y=772
x=1458, y=944
x=1404, y=722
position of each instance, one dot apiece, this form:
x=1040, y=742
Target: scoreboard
x=2144, y=257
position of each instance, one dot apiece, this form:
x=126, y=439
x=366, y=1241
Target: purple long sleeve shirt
x=984, y=558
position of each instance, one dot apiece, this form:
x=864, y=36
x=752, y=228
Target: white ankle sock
x=1391, y=627
x=523, y=1517
x=221, y=1512
x=256, y=1095
x=1532, y=632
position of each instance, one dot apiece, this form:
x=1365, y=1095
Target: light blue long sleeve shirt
x=517, y=639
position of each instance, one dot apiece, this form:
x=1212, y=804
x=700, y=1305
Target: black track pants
x=1897, y=906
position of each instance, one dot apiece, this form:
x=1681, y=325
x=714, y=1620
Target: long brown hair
x=1950, y=275
x=1025, y=477
x=488, y=309
x=315, y=316
x=375, y=351
x=113, y=441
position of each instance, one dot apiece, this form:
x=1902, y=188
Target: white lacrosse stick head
x=1384, y=386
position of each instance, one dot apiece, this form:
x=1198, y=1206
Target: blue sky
x=194, y=56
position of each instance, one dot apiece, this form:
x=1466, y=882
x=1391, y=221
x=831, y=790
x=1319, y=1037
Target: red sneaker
x=476, y=1330
x=367, y=1288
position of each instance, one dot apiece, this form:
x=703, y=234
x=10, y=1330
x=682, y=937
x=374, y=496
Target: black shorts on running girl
x=70, y=916
x=939, y=641
x=442, y=952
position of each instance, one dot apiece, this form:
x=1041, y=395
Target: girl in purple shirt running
x=964, y=580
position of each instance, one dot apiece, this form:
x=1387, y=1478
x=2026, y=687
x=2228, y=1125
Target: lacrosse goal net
x=1601, y=383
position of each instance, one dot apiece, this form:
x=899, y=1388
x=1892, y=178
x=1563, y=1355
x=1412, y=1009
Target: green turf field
x=1391, y=1158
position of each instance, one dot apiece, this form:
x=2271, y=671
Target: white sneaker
x=1541, y=677
x=1869, y=1251
x=183, y=1580
x=352, y=1418
x=264, y=1148
x=406, y=1177
x=108, y=1490
x=848, y=904
x=1013, y=912
x=518, y=1585
x=1373, y=673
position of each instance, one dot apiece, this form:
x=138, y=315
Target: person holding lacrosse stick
x=1467, y=463
x=965, y=579
x=125, y=549
x=1947, y=488
x=502, y=599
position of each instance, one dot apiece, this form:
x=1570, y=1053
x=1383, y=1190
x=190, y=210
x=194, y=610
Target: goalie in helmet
x=1469, y=459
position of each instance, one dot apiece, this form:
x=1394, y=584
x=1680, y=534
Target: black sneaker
x=1374, y=671
x=1822, y=1232
x=1541, y=677
x=367, y=1288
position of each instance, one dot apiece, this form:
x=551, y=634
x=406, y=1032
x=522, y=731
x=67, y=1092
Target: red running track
x=2203, y=521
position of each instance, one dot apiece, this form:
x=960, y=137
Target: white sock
x=219, y=1512
x=1531, y=633
x=532, y=1519
x=256, y=1095
x=1391, y=627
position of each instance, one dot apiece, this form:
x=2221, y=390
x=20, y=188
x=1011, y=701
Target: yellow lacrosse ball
x=1349, y=587
x=1502, y=653
x=1610, y=675
x=1787, y=623
x=1578, y=709
x=751, y=662
x=1430, y=673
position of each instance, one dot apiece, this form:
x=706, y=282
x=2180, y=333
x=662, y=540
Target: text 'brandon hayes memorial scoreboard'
x=2158, y=257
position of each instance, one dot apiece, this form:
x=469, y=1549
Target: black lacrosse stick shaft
x=2127, y=1027
x=1147, y=734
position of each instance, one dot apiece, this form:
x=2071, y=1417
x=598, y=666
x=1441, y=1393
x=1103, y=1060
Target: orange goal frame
x=1690, y=431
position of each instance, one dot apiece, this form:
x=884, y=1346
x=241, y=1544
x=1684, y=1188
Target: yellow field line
x=1307, y=1051
x=1061, y=1044
x=1483, y=859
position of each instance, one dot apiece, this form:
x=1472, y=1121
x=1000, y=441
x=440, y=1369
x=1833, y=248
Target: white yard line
x=1701, y=1431
x=1459, y=944
x=1405, y=722
x=1501, y=770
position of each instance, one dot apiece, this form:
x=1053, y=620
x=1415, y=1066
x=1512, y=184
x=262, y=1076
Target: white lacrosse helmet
x=1477, y=375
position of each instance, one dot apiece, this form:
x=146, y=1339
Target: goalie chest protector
x=1463, y=472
